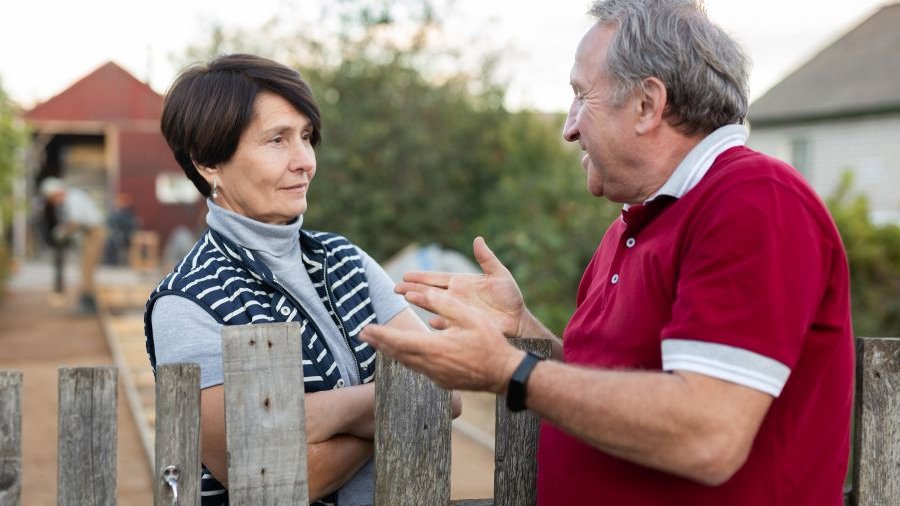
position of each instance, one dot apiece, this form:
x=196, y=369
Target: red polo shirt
x=750, y=260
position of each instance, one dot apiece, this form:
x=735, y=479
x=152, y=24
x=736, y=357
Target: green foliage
x=12, y=141
x=873, y=252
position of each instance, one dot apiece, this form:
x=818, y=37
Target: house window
x=175, y=189
x=801, y=155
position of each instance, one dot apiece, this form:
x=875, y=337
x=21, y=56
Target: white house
x=840, y=112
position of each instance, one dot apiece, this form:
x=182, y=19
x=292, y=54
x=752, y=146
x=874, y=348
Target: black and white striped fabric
x=235, y=288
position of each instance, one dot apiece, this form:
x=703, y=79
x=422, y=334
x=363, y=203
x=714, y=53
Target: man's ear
x=651, y=105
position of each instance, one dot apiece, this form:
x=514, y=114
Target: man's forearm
x=686, y=424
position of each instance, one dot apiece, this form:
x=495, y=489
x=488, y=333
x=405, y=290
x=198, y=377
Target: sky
x=46, y=45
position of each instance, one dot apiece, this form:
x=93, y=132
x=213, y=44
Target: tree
x=12, y=142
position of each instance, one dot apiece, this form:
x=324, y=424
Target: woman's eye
x=277, y=140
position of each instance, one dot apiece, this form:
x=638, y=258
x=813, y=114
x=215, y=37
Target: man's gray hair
x=704, y=70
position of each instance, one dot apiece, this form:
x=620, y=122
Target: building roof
x=856, y=75
x=109, y=93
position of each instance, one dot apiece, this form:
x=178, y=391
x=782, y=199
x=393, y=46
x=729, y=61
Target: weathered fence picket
x=515, y=454
x=10, y=437
x=87, y=436
x=177, y=451
x=412, y=437
x=266, y=430
x=265, y=418
x=876, y=462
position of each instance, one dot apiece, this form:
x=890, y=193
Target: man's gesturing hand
x=494, y=292
x=469, y=353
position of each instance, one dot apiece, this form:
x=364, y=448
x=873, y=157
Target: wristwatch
x=516, y=391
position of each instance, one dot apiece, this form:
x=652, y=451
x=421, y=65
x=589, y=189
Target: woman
x=244, y=129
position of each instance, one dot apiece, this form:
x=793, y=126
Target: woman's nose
x=304, y=157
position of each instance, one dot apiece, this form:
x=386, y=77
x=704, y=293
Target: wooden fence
x=266, y=433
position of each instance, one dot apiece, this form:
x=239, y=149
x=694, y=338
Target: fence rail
x=266, y=430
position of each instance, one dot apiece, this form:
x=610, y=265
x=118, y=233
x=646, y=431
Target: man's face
x=604, y=131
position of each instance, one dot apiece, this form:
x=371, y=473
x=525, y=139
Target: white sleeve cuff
x=728, y=363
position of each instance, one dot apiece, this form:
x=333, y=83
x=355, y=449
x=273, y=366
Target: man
x=77, y=213
x=709, y=360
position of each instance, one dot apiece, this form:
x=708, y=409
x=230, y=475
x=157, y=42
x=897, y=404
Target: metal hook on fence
x=170, y=474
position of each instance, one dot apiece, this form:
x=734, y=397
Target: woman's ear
x=207, y=171
x=652, y=98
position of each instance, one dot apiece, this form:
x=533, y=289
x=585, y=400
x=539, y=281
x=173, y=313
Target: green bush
x=873, y=252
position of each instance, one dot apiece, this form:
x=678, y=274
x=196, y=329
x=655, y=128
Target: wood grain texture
x=515, y=447
x=412, y=437
x=177, y=433
x=87, y=436
x=10, y=438
x=264, y=415
x=876, y=469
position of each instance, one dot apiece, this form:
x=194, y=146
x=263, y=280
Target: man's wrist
x=517, y=390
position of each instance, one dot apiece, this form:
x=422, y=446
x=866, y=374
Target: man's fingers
x=435, y=279
x=438, y=323
x=395, y=342
x=443, y=304
x=489, y=262
x=405, y=287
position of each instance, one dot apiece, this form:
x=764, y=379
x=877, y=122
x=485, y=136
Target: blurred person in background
x=710, y=357
x=244, y=130
x=77, y=215
x=122, y=222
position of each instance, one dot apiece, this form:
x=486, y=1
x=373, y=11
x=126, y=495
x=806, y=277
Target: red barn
x=102, y=134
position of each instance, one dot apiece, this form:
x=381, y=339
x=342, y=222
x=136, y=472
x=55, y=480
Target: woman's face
x=269, y=174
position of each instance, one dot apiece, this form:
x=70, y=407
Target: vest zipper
x=337, y=316
x=300, y=309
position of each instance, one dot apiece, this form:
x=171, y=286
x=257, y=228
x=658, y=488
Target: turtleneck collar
x=275, y=240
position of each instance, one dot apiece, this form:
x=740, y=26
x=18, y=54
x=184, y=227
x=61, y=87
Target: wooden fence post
x=10, y=438
x=412, y=437
x=264, y=414
x=87, y=436
x=876, y=449
x=177, y=433
x=515, y=447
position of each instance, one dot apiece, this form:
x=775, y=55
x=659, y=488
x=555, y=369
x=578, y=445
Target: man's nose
x=570, y=129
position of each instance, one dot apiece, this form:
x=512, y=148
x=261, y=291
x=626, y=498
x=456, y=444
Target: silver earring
x=215, y=191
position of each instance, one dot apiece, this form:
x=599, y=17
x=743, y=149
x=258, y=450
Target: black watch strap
x=516, y=391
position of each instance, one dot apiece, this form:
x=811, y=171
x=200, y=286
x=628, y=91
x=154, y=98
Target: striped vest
x=237, y=289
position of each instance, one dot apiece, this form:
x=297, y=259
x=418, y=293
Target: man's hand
x=494, y=292
x=469, y=353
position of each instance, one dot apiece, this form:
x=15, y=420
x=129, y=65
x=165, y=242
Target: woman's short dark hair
x=208, y=107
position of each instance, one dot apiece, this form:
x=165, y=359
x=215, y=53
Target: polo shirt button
x=630, y=242
x=285, y=310
x=340, y=383
x=615, y=279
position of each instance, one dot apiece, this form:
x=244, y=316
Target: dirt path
x=37, y=335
